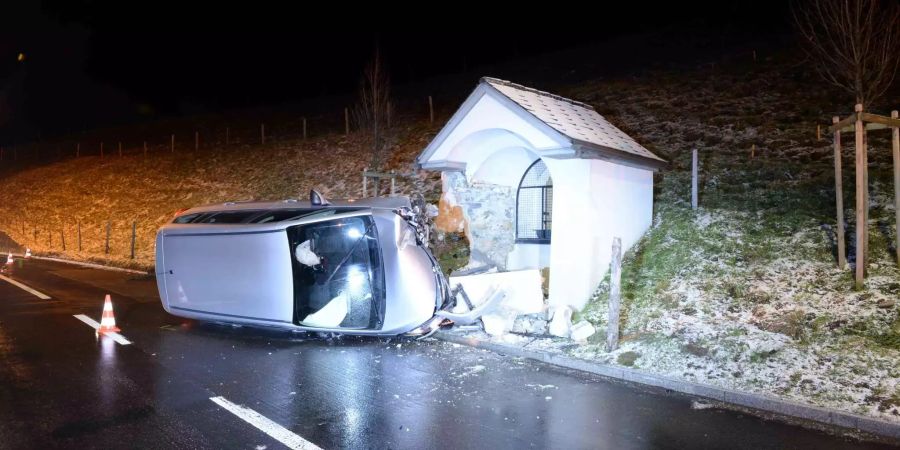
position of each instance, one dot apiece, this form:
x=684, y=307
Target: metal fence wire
x=534, y=204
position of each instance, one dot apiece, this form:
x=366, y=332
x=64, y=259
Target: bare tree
x=854, y=44
x=373, y=113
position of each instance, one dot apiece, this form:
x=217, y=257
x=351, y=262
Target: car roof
x=372, y=202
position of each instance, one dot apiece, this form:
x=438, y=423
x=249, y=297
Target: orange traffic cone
x=108, y=321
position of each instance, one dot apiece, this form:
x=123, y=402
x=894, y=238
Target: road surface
x=187, y=384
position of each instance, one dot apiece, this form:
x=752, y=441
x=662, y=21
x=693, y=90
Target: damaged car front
x=350, y=267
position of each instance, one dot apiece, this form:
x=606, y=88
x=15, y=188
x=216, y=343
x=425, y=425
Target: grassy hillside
x=54, y=198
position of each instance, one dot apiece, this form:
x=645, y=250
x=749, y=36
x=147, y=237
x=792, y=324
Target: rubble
x=581, y=331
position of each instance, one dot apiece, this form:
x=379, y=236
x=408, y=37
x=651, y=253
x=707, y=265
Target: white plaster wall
x=489, y=114
x=593, y=201
x=529, y=256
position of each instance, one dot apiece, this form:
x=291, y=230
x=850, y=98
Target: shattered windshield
x=338, y=275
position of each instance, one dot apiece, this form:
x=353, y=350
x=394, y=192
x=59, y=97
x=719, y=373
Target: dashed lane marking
x=31, y=291
x=93, y=324
x=277, y=432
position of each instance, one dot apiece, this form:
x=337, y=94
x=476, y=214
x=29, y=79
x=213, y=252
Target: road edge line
x=25, y=288
x=86, y=264
x=830, y=417
x=266, y=425
x=95, y=325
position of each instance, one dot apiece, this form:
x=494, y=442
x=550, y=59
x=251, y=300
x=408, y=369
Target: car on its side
x=353, y=267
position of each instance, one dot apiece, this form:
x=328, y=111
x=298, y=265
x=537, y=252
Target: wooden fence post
x=79, y=235
x=62, y=238
x=365, y=190
x=262, y=133
x=101, y=150
x=860, y=198
x=120, y=149
x=107, y=237
x=304, y=128
x=430, y=110
x=172, y=145
x=227, y=135
x=694, y=179
x=133, y=235
x=895, y=140
x=615, y=295
x=346, y=121
x=839, y=194
x=78, y=150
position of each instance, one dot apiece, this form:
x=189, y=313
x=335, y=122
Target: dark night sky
x=90, y=63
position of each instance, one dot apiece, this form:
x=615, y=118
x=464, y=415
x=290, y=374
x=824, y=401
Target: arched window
x=534, y=205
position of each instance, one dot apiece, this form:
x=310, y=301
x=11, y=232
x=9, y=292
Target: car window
x=228, y=217
x=338, y=274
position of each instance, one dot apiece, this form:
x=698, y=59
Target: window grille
x=534, y=204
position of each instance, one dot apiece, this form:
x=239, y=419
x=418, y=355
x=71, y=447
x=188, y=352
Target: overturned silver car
x=354, y=267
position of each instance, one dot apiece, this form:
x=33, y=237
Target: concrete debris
x=530, y=324
x=581, y=331
x=561, y=323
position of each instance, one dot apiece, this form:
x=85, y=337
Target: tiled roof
x=574, y=119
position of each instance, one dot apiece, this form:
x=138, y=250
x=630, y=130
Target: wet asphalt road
x=62, y=386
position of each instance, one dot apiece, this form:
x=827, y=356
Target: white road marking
x=93, y=324
x=277, y=432
x=37, y=294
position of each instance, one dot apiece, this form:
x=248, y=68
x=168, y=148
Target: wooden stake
x=262, y=133
x=120, y=149
x=172, y=145
x=107, y=237
x=839, y=195
x=196, y=140
x=62, y=238
x=430, y=109
x=227, y=135
x=346, y=121
x=866, y=203
x=615, y=295
x=304, y=128
x=860, y=199
x=133, y=235
x=753, y=151
x=79, y=235
x=365, y=183
x=895, y=140
x=694, y=180
x=78, y=150
x=101, y=150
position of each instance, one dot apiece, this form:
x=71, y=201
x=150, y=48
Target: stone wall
x=488, y=215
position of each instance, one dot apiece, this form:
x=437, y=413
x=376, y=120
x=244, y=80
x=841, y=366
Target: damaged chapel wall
x=487, y=217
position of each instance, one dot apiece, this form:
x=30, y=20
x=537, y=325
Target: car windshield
x=338, y=274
